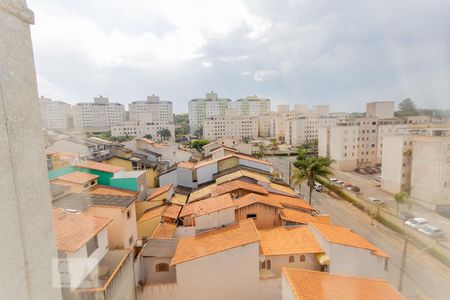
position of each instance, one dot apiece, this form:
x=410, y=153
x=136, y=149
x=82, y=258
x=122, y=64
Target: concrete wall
x=167, y=178
x=286, y=291
x=280, y=261
x=148, y=227
x=215, y=219
x=153, y=277
x=205, y=174
x=27, y=239
x=392, y=168
x=185, y=178
x=256, y=165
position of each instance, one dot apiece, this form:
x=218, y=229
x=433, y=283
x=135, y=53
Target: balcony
x=114, y=274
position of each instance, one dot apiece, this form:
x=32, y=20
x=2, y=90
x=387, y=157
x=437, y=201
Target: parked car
x=361, y=171
x=377, y=178
x=340, y=182
x=318, y=187
x=374, y=200
x=356, y=189
x=348, y=184
x=370, y=170
x=443, y=210
x=406, y=215
x=332, y=179
x=415, y=223
x=431, y=230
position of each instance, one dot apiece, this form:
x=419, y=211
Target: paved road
x=424, y=276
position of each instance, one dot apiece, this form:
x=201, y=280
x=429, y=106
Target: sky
x=342, y=53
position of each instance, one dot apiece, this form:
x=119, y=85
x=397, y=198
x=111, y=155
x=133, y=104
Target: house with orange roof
x=77, y=181
x=350, y=253
x=300, y=284
x=151, y=218
x=264, y=211
x=294, y=247
x=88, y=267
x=209, y=213
x=291, y=217
x=238, y=188
x=157, y=197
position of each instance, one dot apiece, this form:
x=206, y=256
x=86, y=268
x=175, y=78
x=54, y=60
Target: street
x=424, y=275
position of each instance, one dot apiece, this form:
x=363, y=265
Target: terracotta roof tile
x=172, y=211
x=288, y=240
x=228, y=187
x=252, y=198
x=99, y=167
x=293, y=202
x=186, y=164
x=344, y=236
x=164, y=231
x=314, y=285
x=152, y=213
x=110, y=191
x=78, y=177
x=160, y=191
x=295, y=216
x=207, y=206
x=215, y=241
x=242, y=173
x=72, y=230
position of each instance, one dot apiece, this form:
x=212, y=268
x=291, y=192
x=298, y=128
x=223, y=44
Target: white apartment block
x=323, y=109
x=203, y=108
x=55, y=114
x=140, y=129
x=283, y=109
x=98, y=115
x=251, y=106
x=236, y=127
x=151, y=110
x=380, y=109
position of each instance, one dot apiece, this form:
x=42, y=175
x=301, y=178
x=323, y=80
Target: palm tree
x=261, y=151
x=273, y=145
x=400, y=197
x=308, y=168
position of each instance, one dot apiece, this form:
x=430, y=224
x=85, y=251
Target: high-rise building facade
x=55, y=114
x=236, y=127
x=251, y=106
x=98, y=115
x=151, y=110
x=203, y=108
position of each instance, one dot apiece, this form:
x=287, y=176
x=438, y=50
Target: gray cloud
x=339, y=52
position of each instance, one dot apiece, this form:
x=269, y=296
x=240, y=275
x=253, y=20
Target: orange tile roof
x=164, y=231
x=206, y=206
x=110, y=191
x=288, y=240
x=78, y=177
x=72, y=231
x=230, y=186
x=160, y=191
x=152, y=213
x=186, y=164
x=99, y=166
x=293, y=202
x=215, y=241
x=252, y=198
x=344, y=236
x=172, y=211
x=296, y=216
x=315, y=285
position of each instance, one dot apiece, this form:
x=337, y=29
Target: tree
x=308, y=168
x=148, y=136
x=199, y=132
x=407, y=108
x=400, y=197
x=273, y=144
x=198, y=144
x=164, y=133
x=261, y=151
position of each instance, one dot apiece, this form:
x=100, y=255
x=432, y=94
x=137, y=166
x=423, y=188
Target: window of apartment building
x=291, y=259
x=162, y=267
x=128, y=214
x=92, y=245
x=268, y=264
x=302, y=258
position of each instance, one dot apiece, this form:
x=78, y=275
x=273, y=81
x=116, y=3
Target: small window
x=162, y=267
x=302, y=258
x=92, y=245
x=268, y=264
x=291, y=259
x=128, y=214
x=251, y=216
x=263, y=265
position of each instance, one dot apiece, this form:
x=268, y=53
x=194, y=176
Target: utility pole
x=403, y=265
x=290, y=167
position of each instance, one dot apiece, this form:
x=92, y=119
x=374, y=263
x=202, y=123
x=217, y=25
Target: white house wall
x=205, y=173
x=215, y=219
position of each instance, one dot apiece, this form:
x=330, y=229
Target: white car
x=374, y=200
x=431, y=230
x=377, y=178
x=415, y=223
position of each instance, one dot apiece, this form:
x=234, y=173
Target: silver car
x=416, y=223
x=431, y=230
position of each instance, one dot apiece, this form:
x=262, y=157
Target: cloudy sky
x=343, y=53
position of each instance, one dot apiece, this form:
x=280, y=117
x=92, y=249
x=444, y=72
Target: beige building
x=236, y=127
x=151, y=110
x=98, y=115
x=251, y=106
x=140, y=129
x=343, y=147
x=419, y=162
x=55, y=114
x=380, y=109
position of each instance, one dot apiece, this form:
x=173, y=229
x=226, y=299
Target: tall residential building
x=251, y=106
x=203, y=108
x=418, y=160
x=380, y=109
x=98, y=115
x=283, y=108
x=321, y=109
x=151, y=110
x=140, y=129
x=55, y=114
x=301, y=108
x=236, y=127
